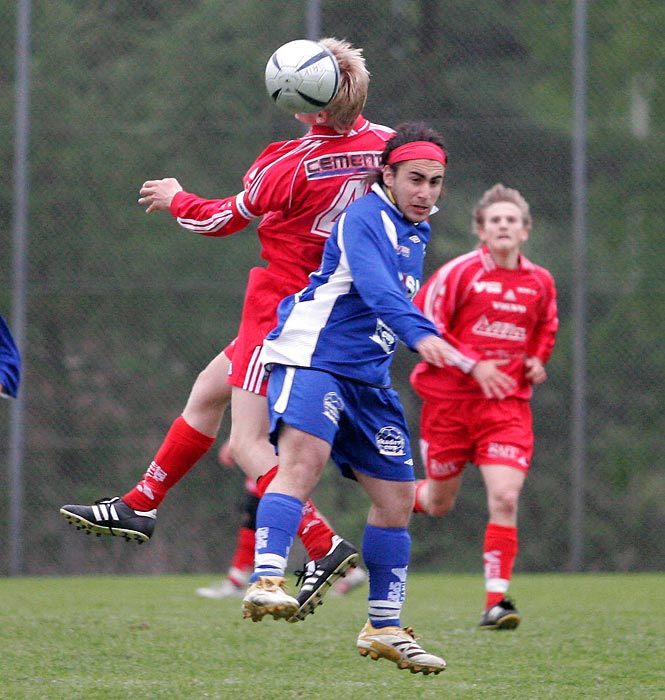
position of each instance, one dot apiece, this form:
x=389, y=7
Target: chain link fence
x=123, y=309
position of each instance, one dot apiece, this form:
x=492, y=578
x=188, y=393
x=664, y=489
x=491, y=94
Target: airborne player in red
x=502, y=310
x=299, y=188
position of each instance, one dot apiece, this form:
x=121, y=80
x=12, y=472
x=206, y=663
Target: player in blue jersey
x=330, y=396
x=10, y=363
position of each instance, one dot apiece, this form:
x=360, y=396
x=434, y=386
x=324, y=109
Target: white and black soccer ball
x=302, y=76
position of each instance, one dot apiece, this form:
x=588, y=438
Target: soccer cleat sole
x=309, y=606
x=508, y=622
x=99, y=530
x=258, y=612
x=392, y=655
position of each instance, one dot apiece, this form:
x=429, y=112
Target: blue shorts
x=364, y=425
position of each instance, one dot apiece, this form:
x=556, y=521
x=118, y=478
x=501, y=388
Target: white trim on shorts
x=253, y=380
x=283, y=398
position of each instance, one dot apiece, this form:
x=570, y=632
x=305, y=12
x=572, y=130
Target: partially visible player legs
x=437, y=497
x=386, y=547
x=242, y=563
x=189, y=438
x=330, y=556
x=267, y=593
x=248, y=442
x=302, y=459
x=504, y=485
x=387, y=550
x=191, y=435
x=256, y=457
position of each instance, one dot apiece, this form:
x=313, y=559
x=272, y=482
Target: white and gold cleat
x=268, y=596
x=398, y=644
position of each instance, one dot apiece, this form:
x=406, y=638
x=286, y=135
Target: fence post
x=579, y=197
x=20, y=238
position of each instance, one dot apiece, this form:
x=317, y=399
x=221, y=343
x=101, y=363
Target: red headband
x=418, y=150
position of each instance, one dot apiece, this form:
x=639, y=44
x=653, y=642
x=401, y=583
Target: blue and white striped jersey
x=348, y=319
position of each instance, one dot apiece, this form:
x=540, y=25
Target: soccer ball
x=302, y=76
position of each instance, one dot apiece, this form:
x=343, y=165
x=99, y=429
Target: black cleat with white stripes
x=502, y=616
x=112, y=516
x=319, y=575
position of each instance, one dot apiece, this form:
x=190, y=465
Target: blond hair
x=499, y=193
x=350, y=99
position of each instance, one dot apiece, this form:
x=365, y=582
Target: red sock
x=182, y=448
x=264, y=481
x=417, y=506
x=499, y=552
x=314, y=532
x=243, y=557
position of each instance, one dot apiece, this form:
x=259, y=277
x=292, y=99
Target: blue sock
x=386, y=552
x=277, y=520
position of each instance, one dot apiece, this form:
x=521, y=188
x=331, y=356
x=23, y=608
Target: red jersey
x=299, y=187
x=493, y=313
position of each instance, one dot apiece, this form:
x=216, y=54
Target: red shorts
x=482, y=431
x=259, y=316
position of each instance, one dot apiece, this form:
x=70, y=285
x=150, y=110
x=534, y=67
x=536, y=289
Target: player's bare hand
x=436, y=351
x=534, y=370
x=158, y=194
x=494, y=383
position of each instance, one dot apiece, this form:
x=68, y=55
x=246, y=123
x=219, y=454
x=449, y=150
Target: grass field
x=130, y=638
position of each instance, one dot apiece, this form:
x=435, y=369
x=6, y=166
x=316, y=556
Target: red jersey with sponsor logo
x=494, y=313
x=299, y=187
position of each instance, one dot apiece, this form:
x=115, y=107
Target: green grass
x=130, y=638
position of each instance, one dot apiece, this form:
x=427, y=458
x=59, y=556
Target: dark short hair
x=406, y=133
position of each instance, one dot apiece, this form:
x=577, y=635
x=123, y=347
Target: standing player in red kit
x=299, y=188
x=502, y=310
